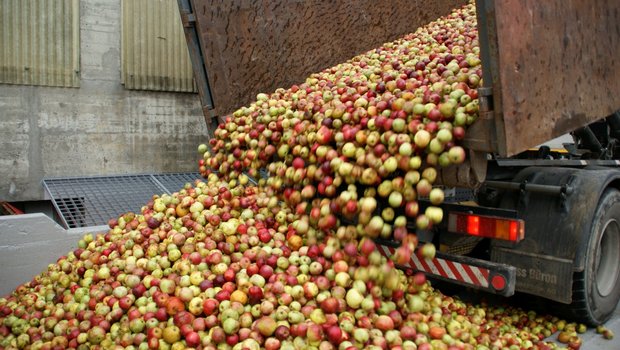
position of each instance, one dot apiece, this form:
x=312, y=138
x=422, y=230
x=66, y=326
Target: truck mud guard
x=556, y=227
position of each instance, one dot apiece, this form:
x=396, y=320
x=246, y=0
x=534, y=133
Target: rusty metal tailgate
x=553, y=66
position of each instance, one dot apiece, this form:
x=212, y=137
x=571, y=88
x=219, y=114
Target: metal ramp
x=93, y=200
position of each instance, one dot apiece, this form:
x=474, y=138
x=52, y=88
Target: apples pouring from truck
x=523, y=217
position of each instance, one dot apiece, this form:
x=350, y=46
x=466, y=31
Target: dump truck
x=525, y=216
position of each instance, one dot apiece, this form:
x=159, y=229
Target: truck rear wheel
x=596, y=289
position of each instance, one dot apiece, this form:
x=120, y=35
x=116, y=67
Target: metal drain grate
x=175, y=181
x=92, y=201
x=454, y=195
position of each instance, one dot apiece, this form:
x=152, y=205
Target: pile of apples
x=374, y=129
x=225, y=265
x=290, y=262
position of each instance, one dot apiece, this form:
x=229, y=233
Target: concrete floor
x=594, y=341
x=591, y=340
x=29, y=242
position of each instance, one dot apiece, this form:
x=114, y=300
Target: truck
x=524, y=216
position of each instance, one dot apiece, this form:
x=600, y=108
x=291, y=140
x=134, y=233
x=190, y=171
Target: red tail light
x=486, y=226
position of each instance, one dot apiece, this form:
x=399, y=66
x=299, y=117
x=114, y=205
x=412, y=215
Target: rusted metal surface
x=470, y=174
x=555, y=67
x=258, y=46
x=482, y=135
x=188, y=19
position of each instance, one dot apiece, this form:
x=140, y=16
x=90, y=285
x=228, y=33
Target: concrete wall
x=29, y=242
x=99, y=128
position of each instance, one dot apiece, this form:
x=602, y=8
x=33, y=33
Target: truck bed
x=540, y=82
x=247, y=47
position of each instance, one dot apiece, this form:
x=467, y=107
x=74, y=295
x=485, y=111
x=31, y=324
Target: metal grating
x=455, y=195
x=175, y=181
x=92, y=201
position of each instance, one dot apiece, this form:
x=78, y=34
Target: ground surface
x=594, y=341
x=591, y=340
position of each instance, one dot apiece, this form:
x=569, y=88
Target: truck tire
x=596, y=289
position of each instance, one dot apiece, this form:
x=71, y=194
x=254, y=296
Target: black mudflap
x=544, y=276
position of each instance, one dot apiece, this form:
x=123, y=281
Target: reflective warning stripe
x=469, y=274
x=447, y=269
x=463, y=274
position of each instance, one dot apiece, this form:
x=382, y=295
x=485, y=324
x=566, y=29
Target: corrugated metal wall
x=154, y=50
x=40, y=42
